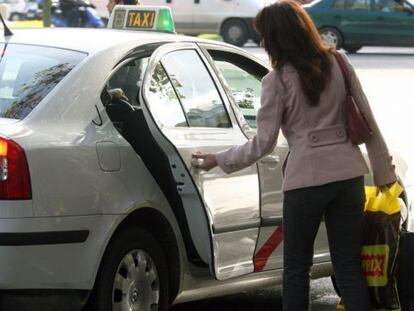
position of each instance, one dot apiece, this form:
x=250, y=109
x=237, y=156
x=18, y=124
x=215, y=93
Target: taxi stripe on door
x=262, y=256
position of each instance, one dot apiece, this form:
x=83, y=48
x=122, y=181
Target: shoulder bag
x=358, y=128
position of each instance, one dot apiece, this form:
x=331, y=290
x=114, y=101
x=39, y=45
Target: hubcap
x=329, y=38
x=235, y=33
x=136, y=284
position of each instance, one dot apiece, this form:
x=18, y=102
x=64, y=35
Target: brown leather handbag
x=358, y=128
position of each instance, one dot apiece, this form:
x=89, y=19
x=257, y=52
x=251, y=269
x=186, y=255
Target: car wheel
x=133, y=275
x=256, y=40
x=332, y=37
x=15, y=17
x=351, y=49
x=235, y=32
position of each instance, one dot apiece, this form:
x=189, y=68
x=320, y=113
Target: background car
x=230, y=19
x=351, y=24
x=19, y=9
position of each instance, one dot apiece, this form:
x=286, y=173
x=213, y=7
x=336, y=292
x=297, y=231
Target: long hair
x=289, y=36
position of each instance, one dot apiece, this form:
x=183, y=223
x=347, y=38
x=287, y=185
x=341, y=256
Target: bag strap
x=345, y=72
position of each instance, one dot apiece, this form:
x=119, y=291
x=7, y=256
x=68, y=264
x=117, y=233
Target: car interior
x=128, y=118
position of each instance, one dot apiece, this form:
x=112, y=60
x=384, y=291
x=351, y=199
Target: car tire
x=256, y=40
x=235, y=32
x=16, y=17
x=136, y=253
x=332, y=37
x=352, y=49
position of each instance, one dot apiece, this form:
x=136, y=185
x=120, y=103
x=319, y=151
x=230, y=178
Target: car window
x=28, y=73
x=129, y=78
x=195, y=89
x=339, y=4
x=392, y=6
x=245, y=89
x=164, y=103
x=358, y=4
x=243, y=76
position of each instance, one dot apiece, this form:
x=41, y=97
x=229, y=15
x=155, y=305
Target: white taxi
x=99, y=203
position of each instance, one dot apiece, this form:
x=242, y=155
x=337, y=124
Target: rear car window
x=28, y=73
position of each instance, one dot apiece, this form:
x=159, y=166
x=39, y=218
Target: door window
x=165, y=105
x=358, y=4
x=243, y=77
x=245, y=89
x=195, y=89
x=392, y=6
x=339, y=4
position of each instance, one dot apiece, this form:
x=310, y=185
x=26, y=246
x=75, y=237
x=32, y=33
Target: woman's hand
x=204, y=161
x=387, y=186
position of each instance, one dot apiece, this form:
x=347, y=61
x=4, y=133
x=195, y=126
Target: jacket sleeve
x=269, y=118
x=379, y=156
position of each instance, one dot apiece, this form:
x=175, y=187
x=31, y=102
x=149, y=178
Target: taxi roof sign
x=142, y=17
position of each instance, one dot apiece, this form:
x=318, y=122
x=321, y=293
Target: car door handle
x=337, y=16
x=197, y=1
x=270, y=159
x=380, y=18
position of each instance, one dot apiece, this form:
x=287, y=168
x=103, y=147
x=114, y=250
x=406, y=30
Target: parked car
x=231, y=19
x=98, y=196
x=19, y=8
x=351, y=24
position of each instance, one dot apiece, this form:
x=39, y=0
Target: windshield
x=28, y=73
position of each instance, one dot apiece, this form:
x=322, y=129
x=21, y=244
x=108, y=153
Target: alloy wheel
x=330, y=38
x=136, y=283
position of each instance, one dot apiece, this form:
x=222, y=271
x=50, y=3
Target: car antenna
x=7, y=31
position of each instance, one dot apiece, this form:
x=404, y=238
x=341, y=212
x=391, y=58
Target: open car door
x=183, y=104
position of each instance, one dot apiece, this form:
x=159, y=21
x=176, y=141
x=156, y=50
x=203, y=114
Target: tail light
x=14, y=172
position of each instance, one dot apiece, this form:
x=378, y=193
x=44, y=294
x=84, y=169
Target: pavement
x=323, y=298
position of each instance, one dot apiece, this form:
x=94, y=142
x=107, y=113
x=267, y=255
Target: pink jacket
x=320, y=152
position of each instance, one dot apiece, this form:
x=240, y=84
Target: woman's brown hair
x=290, y=36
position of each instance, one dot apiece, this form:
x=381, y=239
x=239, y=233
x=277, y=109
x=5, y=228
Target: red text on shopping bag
x=375, y=264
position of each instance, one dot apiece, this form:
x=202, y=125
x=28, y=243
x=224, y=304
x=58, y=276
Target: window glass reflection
x=195, y=89
x=358, y=4
x=28, y=73
x=392, y=6
x=245, y=89
x=164, y=104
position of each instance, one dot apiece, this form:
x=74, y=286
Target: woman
x=304, y=96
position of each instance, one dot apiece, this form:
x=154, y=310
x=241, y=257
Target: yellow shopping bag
x=381, y=228
x=383, y=200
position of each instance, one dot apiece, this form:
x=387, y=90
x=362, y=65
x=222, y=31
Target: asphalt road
x=323, y=298
x=387, y=75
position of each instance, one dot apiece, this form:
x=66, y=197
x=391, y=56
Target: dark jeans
x=341, y=205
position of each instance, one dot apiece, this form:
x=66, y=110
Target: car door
x=243, y=75
x=186, y=113
x=394, y=23
x=354, y=19
x=182, y=11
